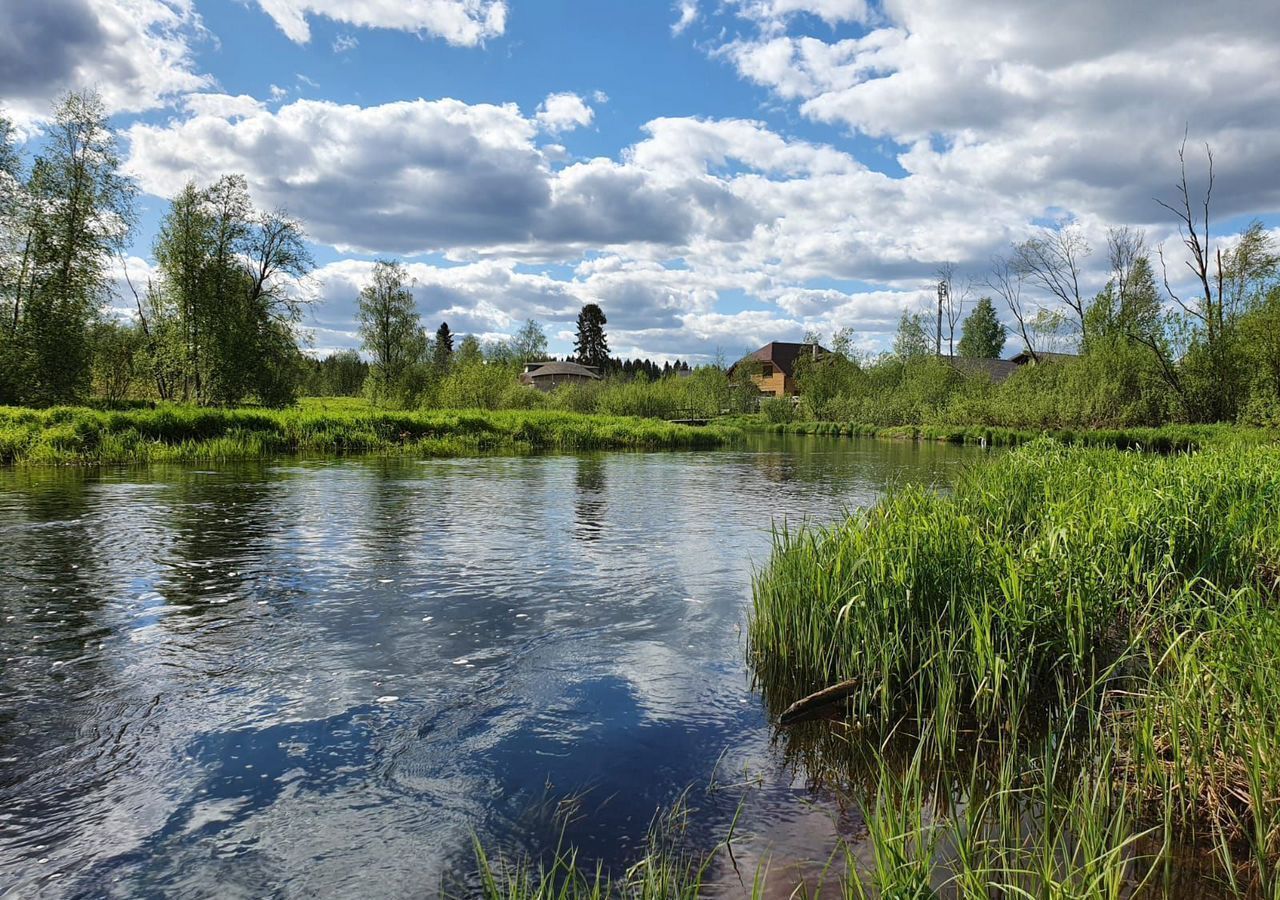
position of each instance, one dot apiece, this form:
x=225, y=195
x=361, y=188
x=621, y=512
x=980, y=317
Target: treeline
x=217, y=324
x=410, y=368
x=1142, y=351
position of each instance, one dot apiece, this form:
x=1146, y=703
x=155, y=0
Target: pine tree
x=982, y=336
x=591, y=345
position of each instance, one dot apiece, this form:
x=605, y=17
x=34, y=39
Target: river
x=324, y=677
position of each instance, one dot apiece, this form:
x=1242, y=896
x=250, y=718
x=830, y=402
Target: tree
x=1054, y=259
x=14, y=210
x=591, y=346
x=530, y=342
x=912, y=339
x=982, y=336
x=223, y=318
x=80, y=213
x=1006, y=281
x=951, y=301
x=442, y=352
x=391, y=331
x=470, y=352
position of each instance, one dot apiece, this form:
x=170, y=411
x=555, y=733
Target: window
x=766, y=370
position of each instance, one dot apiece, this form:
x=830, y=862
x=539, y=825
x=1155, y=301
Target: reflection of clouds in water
x=253, y=617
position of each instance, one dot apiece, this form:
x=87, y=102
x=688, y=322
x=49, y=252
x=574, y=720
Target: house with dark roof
x=546, y=376
x=1000, y=369
x=773, y=366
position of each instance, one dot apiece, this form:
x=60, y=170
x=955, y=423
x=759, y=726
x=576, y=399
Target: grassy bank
x=1065, y=675
x=81, y=436
x=1163, y=439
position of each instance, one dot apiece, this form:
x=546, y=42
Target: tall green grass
x=1164, y=439
x=77, y=435
x=1084, y=648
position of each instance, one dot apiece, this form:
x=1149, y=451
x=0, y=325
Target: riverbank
x=1063, y=675
x=1164, y=439
x=83, y=436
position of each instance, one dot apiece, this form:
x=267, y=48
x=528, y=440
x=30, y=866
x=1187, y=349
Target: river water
x=326, y=677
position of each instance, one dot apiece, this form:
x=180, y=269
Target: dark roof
x=1025, y=357
x=995, y=369
x=563, y=368
x=782, y=354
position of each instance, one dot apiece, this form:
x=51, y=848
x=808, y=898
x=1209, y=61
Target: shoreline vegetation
x=84, y=436
x=1159, y=439
x=1063, y=682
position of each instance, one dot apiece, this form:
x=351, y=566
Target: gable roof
x=995, y=369
x=562, y=368
x=782, y=354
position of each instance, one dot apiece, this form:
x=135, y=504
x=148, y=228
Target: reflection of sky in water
x=324, y=676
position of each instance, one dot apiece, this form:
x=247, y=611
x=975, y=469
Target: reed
x=1107, y=621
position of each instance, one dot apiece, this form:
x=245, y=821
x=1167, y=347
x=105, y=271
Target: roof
x=995, y=369
x=1025, y=357
x=562, y=368
x=783, y=354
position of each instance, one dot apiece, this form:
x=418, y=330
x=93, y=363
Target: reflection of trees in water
x=589, y=503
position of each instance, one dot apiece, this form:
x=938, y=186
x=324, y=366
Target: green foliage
x=982, y=336
x=777, y=410
x=340, y=374
x=590, y=346
x=529, y=343
x=60, y=230
x=392, y=334
x=1106, y=619
x=912, y=338
x=219, y=322
x=78, y=435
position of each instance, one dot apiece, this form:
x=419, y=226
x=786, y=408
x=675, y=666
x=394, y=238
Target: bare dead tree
x=1053, y=259
x=1006, y=281
x=1193, y=228
x=951, y=304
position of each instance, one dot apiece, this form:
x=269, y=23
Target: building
x=546, y=376
x=1000, y=369
x=774, y=366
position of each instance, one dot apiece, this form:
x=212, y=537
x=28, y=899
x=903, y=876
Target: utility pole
x=943, y=292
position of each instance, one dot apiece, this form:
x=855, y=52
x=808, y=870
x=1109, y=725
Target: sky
x=715, y=174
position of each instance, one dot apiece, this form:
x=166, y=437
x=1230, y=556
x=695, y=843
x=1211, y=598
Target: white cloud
x=563, y=112
x=1078, y=106
x=137, y=53
x=462, y=22
x=688, y=14
x=344, y=43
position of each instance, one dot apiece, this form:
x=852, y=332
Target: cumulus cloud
x=137, y=53
x=563, y=112
x=462, y=22
x=418, y=176
x=1077, y=106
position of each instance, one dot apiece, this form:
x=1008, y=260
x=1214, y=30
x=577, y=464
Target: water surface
x=322, y=678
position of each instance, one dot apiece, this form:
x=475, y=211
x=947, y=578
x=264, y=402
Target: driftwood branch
x=809, y=707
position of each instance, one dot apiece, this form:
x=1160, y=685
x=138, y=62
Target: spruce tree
x=591, y=346
x=443, y=352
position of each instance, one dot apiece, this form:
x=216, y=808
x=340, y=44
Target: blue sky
x=715, y=173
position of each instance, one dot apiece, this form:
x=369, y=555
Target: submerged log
x=811, y=706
